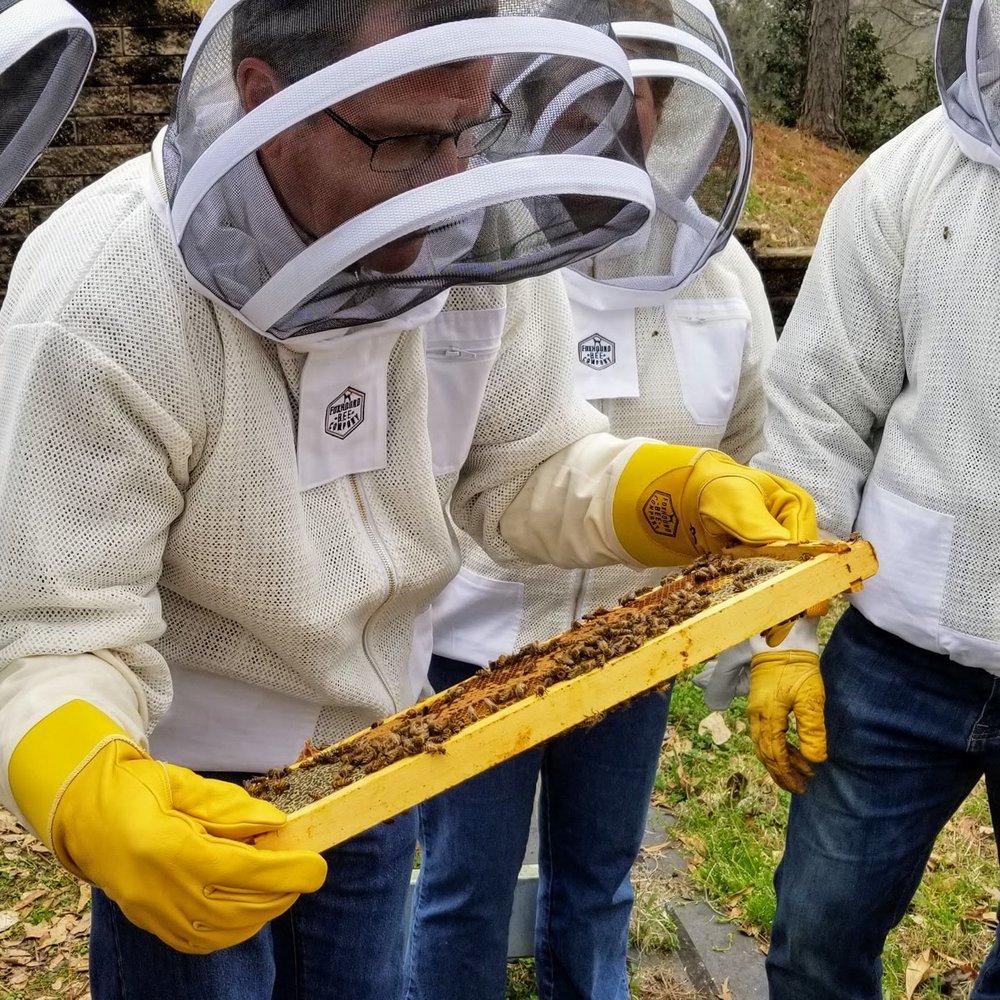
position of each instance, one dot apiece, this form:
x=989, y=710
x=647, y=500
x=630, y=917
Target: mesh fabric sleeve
x=92, y=474
x=840, y=364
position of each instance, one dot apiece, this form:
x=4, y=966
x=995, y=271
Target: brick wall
x=140, y=52
x=781, y=270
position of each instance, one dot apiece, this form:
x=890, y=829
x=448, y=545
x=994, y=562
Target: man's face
x=323, y=174
x=648, y=111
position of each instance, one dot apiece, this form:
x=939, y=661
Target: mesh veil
x=700, y=157
x=968, y=72
x=46, y=48
x=335, y=165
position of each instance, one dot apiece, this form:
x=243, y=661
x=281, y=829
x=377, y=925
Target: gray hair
x=298, y=37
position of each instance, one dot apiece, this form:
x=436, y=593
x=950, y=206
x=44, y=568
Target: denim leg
x=348, y=939
x=472, y=841
x=127, y=963
x=596, y=786
x=898, y=721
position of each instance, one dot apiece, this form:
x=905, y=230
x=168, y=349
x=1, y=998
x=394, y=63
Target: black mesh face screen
x=477, y=167
x=952, y=37
x=697, y=137
x=679, y=14
x=971, y=99
x=37, y=91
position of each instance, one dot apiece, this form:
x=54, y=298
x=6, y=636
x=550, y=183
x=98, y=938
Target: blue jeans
x=596, y=785
x=910, y=734
x=344, y=942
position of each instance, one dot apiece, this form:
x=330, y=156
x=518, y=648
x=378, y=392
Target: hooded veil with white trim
x=333, y=165
x=46, y=48
x=967, y=62
x=701, y=155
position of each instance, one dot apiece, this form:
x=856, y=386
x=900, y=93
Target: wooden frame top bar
x=816, y=573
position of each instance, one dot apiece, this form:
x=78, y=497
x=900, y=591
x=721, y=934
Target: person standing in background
x=883, y=397
x=670, y=341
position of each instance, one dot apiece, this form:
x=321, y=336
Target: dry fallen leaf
x=968, y=970
x=715, y=726
x=983, y=914
x=725, y=993
x=7, y=920
x=28, y=898
x=917, y=970
x=657, y=848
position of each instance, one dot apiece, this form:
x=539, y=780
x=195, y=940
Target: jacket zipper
x=379, y=548
x=459, y=354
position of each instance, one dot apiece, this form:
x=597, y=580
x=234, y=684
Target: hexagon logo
x=596, y=352
x=660, y=514
x=346, y=413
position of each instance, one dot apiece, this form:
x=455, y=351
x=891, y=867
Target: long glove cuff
x=784, y=657
x=50, y=756
x=649, y=505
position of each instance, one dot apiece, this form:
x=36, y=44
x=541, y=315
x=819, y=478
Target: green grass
x=731, y=822
x=24, y=868
x=653, y=930
x=521, y=981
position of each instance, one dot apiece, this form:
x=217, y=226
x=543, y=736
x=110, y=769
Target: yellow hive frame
x=835, y=567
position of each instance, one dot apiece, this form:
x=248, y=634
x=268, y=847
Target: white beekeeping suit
x=670, y=339
x=222, y=493
x=46, y=49
x=883, y=393
x=220, y=521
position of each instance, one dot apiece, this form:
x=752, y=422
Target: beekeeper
x=883, y=396
x=46, y=49
x=236, y=398
x=669, y=342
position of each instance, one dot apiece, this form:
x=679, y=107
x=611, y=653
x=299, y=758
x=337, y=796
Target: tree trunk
x=823, y=106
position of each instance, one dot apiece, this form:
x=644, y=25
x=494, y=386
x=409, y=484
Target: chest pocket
x=710, y=339
x=461, y=347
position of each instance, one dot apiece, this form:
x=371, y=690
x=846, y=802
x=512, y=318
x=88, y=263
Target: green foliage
x=771, y=43
x=873, y=113
x=786, y=60
x=922, y=91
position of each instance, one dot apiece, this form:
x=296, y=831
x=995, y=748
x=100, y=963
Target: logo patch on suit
x=346, y=413
x=596, y=352
x=660, y=514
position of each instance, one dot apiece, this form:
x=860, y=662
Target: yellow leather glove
x=673, y=503
x=782, y=683
x=162, y=842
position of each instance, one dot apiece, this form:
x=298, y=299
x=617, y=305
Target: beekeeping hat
x=333, y=165
x=701, y=153
x=968, y=74
x=694, y=17
x=46, y=49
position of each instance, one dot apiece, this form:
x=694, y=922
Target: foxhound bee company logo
x=660, y=514
x=596, y=352
x=346, y=413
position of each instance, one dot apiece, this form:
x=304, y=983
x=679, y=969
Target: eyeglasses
x=399, y=153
